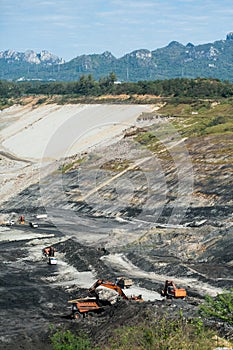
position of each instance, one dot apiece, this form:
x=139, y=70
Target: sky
x=70, y=28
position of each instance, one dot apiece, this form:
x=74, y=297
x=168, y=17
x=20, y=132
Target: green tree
x=107, y=83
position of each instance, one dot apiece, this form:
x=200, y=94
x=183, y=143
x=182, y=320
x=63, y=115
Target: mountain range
x=210, y=60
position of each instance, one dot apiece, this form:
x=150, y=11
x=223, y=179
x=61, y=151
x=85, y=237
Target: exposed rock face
x=44, y=57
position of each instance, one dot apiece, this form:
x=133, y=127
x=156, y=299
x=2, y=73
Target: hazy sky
x=69, y=28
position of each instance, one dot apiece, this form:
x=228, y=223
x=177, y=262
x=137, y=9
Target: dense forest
x=87, y=86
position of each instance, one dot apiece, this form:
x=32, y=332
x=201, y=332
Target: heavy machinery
x=83, y=307
x=22, y=219
x=49, y=252
x=124, y=282
x=171, y=291
x=113, y=286
x=89, y=305
x=33, y=224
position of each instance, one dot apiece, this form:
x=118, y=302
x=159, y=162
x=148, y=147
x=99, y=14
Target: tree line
x=87, y=86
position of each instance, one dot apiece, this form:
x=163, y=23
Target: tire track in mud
x=11, y=156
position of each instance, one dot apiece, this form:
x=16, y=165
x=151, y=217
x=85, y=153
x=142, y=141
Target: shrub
x=66, y=340
x=163, y=334
x=220, y=307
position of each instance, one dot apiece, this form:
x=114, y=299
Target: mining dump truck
x=88, y=306
x=83, y=307
x=33, y=224
x=124, y=282
x=171, y=291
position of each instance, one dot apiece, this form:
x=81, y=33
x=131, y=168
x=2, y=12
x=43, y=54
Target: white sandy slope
x=44, y=133
x=54, y=131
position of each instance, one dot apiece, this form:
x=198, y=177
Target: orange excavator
x=93, y=304
x=171, y=291
x=113, y=286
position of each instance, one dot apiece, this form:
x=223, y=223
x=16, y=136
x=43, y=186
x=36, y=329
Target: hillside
x=151, y=184
x=210, y=60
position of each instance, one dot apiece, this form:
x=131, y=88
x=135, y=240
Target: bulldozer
x=171, y=291
x=88, y=306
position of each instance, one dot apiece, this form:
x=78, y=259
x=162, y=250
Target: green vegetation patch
x=161, y=334
x=152, y=140
x=5, y=103
x=200, y=107
x=64, y=168
x=152, y=334
x=220, y=307
x=117, y=164
x=66, y=340
x=200, y=126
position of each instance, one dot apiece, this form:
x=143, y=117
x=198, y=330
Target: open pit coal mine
x=100, y=235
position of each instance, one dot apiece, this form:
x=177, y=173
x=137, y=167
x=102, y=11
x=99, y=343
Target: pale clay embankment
x=32, y=135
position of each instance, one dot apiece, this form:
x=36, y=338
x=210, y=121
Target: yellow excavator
x=83, y=307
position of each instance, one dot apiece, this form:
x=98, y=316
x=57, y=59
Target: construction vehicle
x=22, y=219
x=9, y=223
x=88, y=306
x=124, y=282
x=83, y=307
x=49, y=252
x=113, y=286
x=52, y=260
x=33, y=224
x=171, y=291
x=42, y=216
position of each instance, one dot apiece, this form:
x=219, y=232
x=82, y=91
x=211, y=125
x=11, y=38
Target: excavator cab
x=171, y=291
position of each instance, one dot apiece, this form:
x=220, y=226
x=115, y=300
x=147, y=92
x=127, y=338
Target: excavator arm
x=115, y=287
x=84, y=306
x=107, y=284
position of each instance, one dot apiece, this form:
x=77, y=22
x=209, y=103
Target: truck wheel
x=77, y=315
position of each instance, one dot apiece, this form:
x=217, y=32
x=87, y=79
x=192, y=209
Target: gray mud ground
x=34, y=294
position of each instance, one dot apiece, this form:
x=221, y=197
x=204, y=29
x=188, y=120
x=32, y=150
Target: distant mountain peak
x=107, y=54
x=189, y=45
x=174, y=44
x=31, y=56
x=229, y=36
